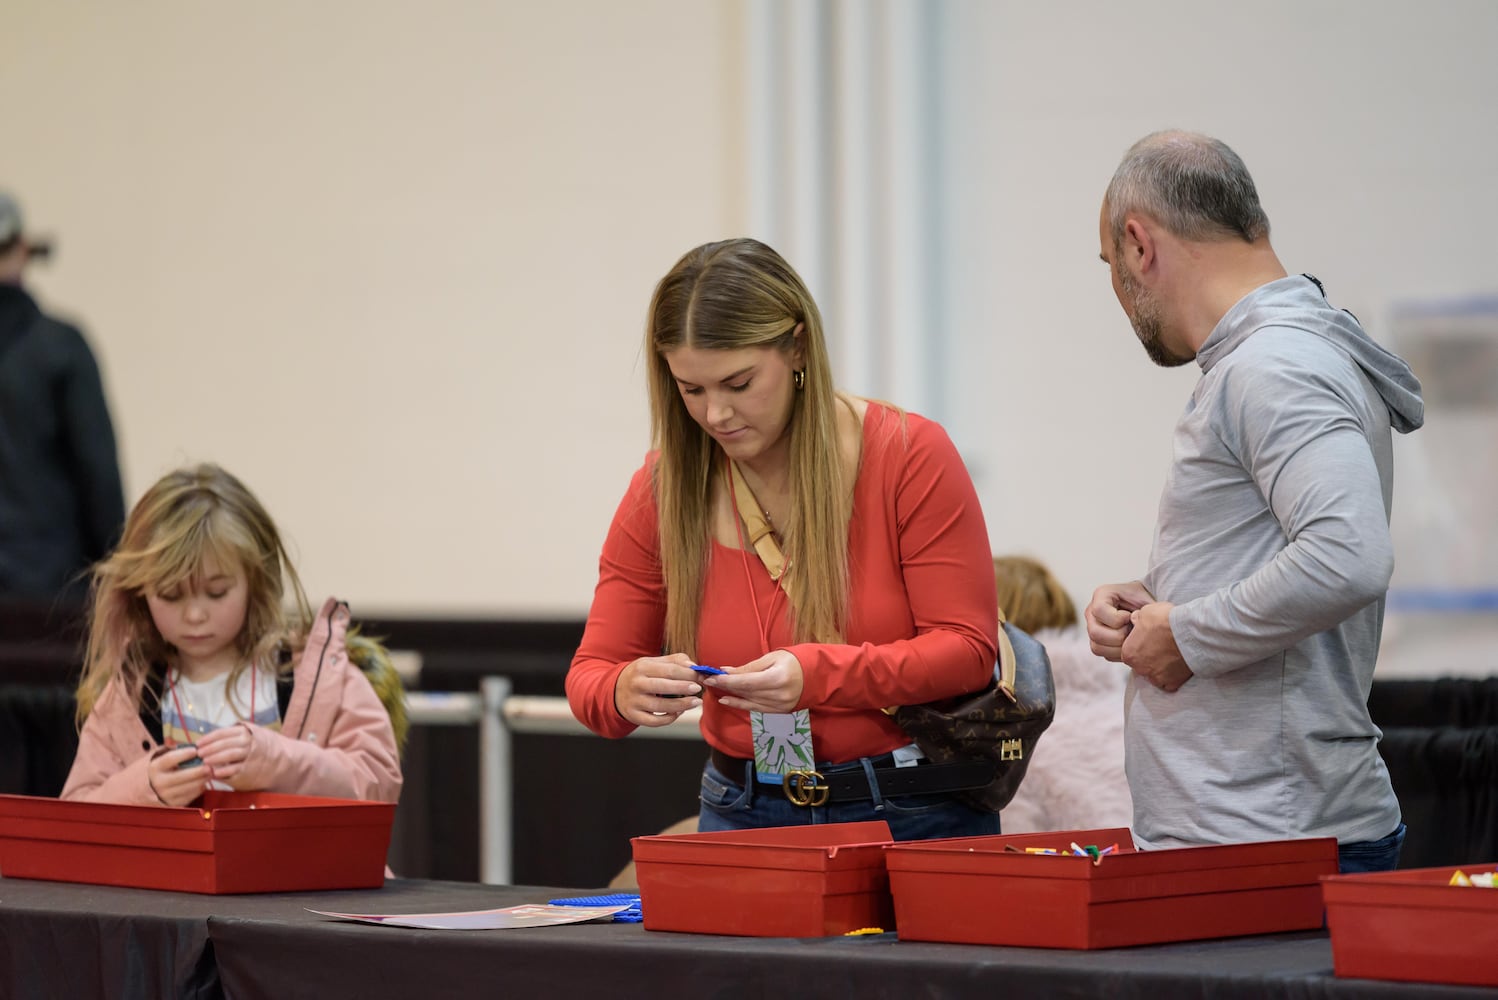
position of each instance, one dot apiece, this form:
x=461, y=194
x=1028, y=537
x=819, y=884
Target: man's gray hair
x=1193, y=185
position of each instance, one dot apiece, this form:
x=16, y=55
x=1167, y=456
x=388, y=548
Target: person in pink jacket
x=197, y=675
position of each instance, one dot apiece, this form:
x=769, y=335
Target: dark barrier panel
x=1441, y=747
x=1454, y=702
x=37, y=738
x=1447, y=783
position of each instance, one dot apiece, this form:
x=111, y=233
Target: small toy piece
x=1481, y=880
x=193, y=762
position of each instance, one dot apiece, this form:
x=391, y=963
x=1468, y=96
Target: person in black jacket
x=61, y=502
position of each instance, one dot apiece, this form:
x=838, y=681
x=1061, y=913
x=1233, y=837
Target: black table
x=58, y=939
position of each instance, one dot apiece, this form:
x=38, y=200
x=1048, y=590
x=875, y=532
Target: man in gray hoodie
x=1251, y=639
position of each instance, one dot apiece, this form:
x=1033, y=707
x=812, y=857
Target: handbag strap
x=1008, y=665
x=761, y=535
x=1007, y=662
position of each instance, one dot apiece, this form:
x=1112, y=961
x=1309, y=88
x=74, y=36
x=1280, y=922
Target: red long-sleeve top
x=922, y=622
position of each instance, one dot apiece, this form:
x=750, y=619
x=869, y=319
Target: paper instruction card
x=525, y=915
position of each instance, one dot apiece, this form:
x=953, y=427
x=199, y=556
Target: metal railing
x=498, y=714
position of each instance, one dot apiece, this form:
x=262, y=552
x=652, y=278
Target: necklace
x=202, y=726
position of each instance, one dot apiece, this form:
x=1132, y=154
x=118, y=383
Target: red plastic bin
x=236, y=842
x=973, y=890
x=791, y=881
x=1413, y=926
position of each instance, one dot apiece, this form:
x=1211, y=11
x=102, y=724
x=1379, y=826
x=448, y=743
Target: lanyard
x=782, y=740
x=769, y=616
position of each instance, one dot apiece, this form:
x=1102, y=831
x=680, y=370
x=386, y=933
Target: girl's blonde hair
x=1031, y=598
x=187, y=517
x=731, y=295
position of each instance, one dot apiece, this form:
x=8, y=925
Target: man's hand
x=1109, y=616
x=1150, y=648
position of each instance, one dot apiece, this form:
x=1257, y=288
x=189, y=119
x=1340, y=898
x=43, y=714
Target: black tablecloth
x=58, y=939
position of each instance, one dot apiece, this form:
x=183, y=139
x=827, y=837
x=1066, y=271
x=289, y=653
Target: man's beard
x=1144, y=316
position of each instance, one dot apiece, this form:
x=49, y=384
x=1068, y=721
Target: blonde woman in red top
x=794, y=560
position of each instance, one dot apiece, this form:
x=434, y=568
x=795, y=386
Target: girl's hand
x=226, y=750
x=175, y=785
x=771, y=683
x=655, y=690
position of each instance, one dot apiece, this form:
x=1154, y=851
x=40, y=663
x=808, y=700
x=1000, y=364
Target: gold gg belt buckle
x=805, y=788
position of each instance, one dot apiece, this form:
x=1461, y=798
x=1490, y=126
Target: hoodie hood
x=1297, y=302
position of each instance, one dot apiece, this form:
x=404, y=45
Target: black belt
x=850, y=783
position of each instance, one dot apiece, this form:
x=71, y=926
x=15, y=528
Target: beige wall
x=388, y=262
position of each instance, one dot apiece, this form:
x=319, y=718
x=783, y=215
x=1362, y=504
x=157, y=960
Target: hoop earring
x=799, y=377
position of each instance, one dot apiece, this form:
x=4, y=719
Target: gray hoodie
x=1273, y=544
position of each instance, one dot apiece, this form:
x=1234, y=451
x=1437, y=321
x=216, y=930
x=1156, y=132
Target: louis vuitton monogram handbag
x=1000, y=723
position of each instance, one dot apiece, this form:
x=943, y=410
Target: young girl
x=197, y=675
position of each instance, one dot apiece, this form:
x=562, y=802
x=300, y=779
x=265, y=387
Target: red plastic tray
x=1412, y=926
x=236, y=842
x=972, y=890
x=792, y=881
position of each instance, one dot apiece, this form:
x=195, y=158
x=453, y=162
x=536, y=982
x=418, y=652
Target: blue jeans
x=736, y=803
x=1371, y=855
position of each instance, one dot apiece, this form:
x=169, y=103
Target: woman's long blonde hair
x=727, y=296
x=188, y=516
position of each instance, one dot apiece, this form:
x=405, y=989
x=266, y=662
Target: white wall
x=392, y=266
x=1369, y=128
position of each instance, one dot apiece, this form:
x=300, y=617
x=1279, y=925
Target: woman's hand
x=655, y=690
x=225, y=752
x=771, y=683
x=174, y=784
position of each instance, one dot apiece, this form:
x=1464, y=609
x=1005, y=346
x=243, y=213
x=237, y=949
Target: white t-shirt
x=190, y=709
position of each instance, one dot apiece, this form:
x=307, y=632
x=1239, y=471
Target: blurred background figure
x=1076, y=779
x=61, y=502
